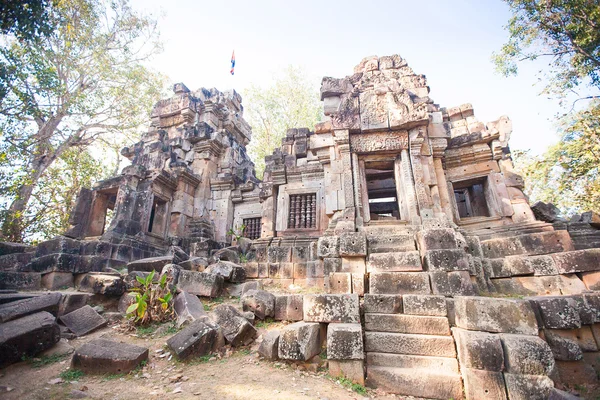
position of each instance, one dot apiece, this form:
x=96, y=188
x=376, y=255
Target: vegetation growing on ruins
x=290, y=102
x=153, y=301
x=64, y=89
x=566, y=33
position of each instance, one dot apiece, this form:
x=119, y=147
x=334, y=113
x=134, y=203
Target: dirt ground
x=237, y=374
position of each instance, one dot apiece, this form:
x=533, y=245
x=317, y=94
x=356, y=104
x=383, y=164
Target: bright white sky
x=449, y=41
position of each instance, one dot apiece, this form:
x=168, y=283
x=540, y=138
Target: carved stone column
x=438, y=147
x=421, y=188
x=404, y=170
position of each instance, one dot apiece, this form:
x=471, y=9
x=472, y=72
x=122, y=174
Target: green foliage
x=292, y=101
x=238, y=232
x=47, y=360
x=71, y=375
x=153, y=301
x=25, y=19
x=355, y=387
x=568, y=173
x=81, y=85
x=567, y=32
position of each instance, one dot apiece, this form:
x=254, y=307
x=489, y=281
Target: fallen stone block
x=289, y=307
x=344, y=342
x=260, y=302
x=230, y=272
x=200, y=283
x=563, y=348
x=269, y=347
x=528, y=387
x=251, y=285
x=353, y=244
x=102, y=356
x=249, y=315
x=401, y=323
x=300, y=341
x=528, y=355
x=418, y=304
x=558, y=312
x=83, y=320
x=495, y=315
x=188, y=308
x=394, y=262
x=57, y=280
x=382, y=303
x=125, y=301
x=196, y=339
x=415, y=344
x=197, y=264
x=399, y=283
x=547, y=212
x=27, y=336
x=149, y=264
x=331, y=308
x=479, y=350
x=480, y=384
x=236, y=329
x=20, y=280
x=20, y=308
x=353, y=370
x=108, y=285
x=72, y=301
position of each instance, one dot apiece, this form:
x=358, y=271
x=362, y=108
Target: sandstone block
x=289, y=307
x=455, y=283
x=582, y=336
x=331, y=308
x=418, y=304
x=563, y=348
x=102, y=356
x=528, y=387
x=576, y=373
x=359, y=284
x=355, y=265
x=529, y=355
x=400, y=323
x=441, y=364
x=57, y=280
x=188, y=308
x=338, y=283
x=71, y=301
x=383, y=303
x=577, y=261
x=20, y=308
x=558, y=312
x=196, y=339
x=108, y=285
x=352, y=370
x=391, y=243
x=415, y=344
x=529, y=285
x=200, y=283
x=479, y=350
x=230, y=272
x=344, y=342
x=199, y=264
x=331, y=265
x=436, y=239
x=300, y=341
x=260, y=302
x=328, y=246
x=236, y=329
x=394, y=262
x=480, y=384
x=251, y=285
x=149, y=264
x=83, y=320
x=495, y=315
x=269, y=347
x=556, y=394
x=399, y=283
x=353, y=244
x=27, y=336
x=421, y=383
x=20, y=280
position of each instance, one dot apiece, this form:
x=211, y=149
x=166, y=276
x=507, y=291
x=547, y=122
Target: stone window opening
x=158, y=217
x=303, y=211
x=470, y=196
x=381, y=190
x=252, y=228
x=102, y=212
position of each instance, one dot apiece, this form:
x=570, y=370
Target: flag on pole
x=232, y=61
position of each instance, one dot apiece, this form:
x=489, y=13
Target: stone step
x=381, y=228
x=522, y=231
x=440, y=364
x=531, y=244
x=401, y=323
x=416, y=382
x=399, y=283
x=405, y=261
x=386, y=243
x=413, y=344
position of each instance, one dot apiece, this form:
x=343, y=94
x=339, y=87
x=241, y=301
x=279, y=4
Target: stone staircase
x=502, y=231
x=407, y=353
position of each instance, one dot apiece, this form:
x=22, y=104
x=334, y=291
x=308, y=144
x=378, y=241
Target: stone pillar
x=347, y=221
x=268, y=196
x=421, y=188
x=439, y=146
x=408, y=184
x=357, y=190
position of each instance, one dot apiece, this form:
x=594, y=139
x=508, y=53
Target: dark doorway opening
x=381, y=190
x=470, y=196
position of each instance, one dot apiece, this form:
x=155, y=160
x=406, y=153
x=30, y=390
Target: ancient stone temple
x=403, y=219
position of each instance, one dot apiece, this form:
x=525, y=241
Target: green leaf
x=140, y=280
x=132, y=308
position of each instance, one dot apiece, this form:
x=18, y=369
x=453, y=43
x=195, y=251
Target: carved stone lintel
x=379, y=141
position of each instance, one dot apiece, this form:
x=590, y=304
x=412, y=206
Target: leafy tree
x=292, y=101
x=83, y=82
x=567, y=34
x=26, y=19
